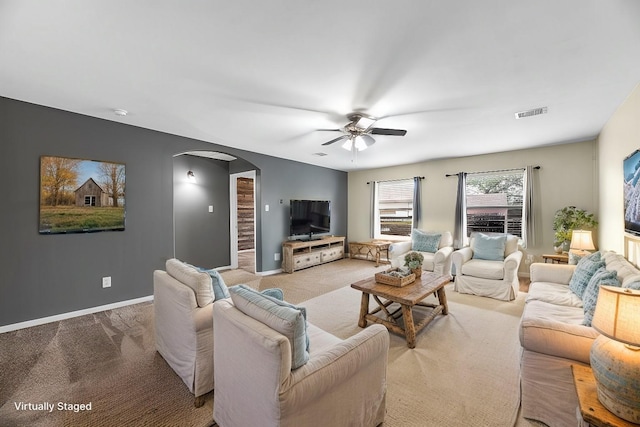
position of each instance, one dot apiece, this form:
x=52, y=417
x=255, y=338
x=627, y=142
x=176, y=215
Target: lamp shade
x=617, y=314
x=582, y=240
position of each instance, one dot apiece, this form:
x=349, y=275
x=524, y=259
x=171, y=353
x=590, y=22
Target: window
x=89, y=200
x=393, y=208
x=495, y=202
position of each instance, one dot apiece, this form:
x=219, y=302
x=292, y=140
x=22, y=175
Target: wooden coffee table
x=408, y=297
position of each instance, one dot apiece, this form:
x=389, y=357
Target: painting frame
x=631, y=192
x=81, y=195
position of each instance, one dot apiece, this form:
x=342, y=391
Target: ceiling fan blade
x=368, y=139
x=340, y=138
x=330, y=130
x=383, y=131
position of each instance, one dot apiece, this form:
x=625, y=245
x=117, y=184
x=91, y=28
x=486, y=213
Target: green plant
x=413, y=260
x=568, y=219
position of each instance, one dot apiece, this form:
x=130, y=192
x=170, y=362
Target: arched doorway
x=205, y=208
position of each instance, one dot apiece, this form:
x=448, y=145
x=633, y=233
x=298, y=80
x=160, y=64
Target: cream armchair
x=342, y=383
x=183, y=316
x=495, y=278
x=438, y=261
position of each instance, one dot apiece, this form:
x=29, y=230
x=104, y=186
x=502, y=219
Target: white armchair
x=183, y=317
x=495, y=278
x=342, y=383
x=438, y=261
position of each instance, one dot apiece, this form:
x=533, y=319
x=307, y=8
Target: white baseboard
x=269, y=273
x=63, y=316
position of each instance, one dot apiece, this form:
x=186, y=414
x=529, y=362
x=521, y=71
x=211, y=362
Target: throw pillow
x=585, y=269
x=274, y=293
x=278, y=315
x=574, y=258
x=633, y=285
x=425, y=242
x=489, y=247
x=220, y=289
x=189, y=275
x=601, y=277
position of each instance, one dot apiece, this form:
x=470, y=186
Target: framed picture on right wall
x=631, y=170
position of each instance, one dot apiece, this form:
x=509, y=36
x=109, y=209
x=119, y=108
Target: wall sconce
x=191, y=177
x=615, y=355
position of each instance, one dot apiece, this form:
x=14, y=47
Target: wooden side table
x=556, y=258
x=591, y=409
x=373, y=248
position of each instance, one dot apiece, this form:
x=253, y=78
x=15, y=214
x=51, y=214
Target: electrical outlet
x=276, y=256
x=106, y=282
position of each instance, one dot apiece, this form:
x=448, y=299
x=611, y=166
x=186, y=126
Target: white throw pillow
x=199, y=281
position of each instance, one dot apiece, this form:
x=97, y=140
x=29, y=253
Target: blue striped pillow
x=601, y=277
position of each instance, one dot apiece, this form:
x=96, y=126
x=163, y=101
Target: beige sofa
x=553, y=338
x=183, y=317
x=438, y=261
x=343, y=382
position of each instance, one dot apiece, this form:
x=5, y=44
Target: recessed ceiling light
x=119, y=112
x=320, y=154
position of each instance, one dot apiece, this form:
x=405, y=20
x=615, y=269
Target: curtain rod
x=400, y=179
x=498, y=170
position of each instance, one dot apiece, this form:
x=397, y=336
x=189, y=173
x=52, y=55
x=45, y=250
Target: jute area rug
x=464, y=370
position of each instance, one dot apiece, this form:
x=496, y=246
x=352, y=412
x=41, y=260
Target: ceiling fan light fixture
x=359, y=143
x=348, y=144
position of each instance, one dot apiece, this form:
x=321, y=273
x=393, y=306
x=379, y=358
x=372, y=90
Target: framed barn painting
x=81, y=196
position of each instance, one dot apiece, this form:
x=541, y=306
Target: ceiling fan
x=357, y=133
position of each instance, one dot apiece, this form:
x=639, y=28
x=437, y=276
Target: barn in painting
x=91, y=194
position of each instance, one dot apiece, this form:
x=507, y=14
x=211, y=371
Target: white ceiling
x=265, y=75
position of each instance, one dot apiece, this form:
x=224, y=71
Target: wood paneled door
x=246, y=220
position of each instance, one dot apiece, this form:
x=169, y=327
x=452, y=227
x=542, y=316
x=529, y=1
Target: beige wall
x=619, y=138
x=568, y=177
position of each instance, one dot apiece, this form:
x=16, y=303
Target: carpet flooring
x=108, y=360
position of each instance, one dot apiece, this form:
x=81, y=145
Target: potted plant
x=568, y=219
x=413, y=260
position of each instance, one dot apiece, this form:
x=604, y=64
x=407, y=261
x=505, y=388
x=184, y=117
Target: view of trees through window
x=394, y=208
x=495, y=202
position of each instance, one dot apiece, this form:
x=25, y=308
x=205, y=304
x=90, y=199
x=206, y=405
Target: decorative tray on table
x=396, y=277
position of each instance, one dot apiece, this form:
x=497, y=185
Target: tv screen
x=309, y=217
x=80, y=196
x=631, y=167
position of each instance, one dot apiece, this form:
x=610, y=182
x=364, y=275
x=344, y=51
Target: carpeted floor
x=108, y=359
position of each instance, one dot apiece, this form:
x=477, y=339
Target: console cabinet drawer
x=332, y=254
x=306, y=260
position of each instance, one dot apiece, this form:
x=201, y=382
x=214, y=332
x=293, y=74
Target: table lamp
x=582, y=241
x=615, y=355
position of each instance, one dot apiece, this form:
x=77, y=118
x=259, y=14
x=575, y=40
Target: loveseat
x=183, y=299
x=554, y=333
x=435, y=247
x=275, y=369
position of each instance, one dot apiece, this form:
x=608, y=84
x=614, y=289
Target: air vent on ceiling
x=530, y=113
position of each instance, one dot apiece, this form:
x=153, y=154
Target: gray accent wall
x=201, y=237
x=46, y=275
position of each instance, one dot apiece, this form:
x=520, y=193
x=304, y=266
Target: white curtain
x=460, y=227
x=528, y=211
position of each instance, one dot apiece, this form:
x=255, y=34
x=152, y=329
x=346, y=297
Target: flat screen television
x=309, y=218
x=631, y=166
